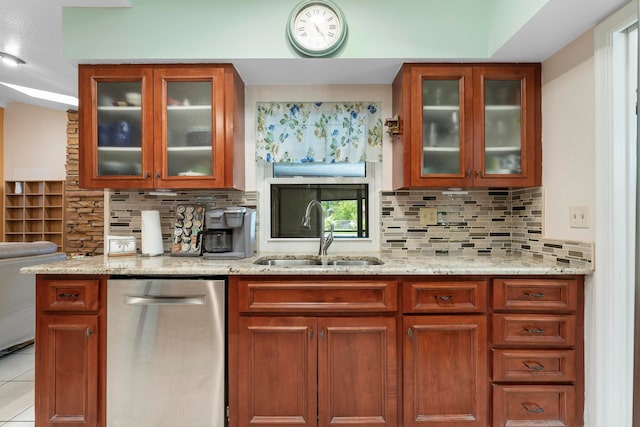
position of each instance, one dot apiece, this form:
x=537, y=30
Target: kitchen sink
x=318, y=261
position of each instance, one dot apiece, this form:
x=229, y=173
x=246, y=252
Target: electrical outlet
x=579, y=217
x=428, y=216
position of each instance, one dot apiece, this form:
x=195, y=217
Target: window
x=348, y=196
x=345, y=207
x=325, y=151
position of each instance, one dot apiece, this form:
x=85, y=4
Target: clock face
x=317, y=28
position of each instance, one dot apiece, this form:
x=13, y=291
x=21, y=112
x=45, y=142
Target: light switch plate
x=579, y=217
x=428, y=216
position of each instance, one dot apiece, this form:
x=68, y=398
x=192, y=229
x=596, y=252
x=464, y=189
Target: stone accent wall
x=84, y=209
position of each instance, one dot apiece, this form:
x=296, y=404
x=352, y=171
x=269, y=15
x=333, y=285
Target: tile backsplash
x=476, y=222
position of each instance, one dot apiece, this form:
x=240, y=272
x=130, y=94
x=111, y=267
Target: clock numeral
x=332, y=26
x=330, y=34
x=329, y=19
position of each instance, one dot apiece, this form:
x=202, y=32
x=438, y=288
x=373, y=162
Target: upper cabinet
x=467, y=126
x=161, y=126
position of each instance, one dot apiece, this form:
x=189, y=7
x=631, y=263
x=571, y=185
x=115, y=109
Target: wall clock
x=317, y=27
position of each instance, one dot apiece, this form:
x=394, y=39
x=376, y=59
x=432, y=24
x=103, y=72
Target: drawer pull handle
x=535, y=331
x=534, y=408
x=444, y=298
x=67, y=296
x=534, y=366
x=534, y=294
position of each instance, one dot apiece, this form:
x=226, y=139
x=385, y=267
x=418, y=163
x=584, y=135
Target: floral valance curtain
x=323, y=132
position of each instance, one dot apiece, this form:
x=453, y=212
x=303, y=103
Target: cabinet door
x=441, y=126
x=277, y=371
x=189, y=127
x=445, y=371
x=116, y=129
x=66, y=390
x=357, y=380
x=506, y=111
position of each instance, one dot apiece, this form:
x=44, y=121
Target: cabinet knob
x=89, y=332
x=158, y=174
x=146, y=175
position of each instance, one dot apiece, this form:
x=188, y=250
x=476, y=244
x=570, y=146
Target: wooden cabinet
x=34, y=211
x=69, y=351
x=467, y=125
x=321, y=363
x=537, y=352
x=445, y=366
x=161, y=126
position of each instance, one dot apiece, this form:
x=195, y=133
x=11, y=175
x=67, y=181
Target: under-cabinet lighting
x=162, y=193
x=43, y=94
x=11, y=60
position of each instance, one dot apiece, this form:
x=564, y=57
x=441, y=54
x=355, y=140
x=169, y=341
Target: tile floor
x=16, y=388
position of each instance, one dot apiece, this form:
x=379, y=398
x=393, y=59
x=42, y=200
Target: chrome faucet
x=325, y=241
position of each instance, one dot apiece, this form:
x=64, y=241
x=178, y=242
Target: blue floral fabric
x=323, y=132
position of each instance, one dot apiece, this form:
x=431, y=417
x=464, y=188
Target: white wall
x=35, y=141
x=568, y=137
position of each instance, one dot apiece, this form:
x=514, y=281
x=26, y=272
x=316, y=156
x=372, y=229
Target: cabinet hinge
x=228, y=415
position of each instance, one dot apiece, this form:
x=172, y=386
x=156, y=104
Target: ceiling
x=32, y=30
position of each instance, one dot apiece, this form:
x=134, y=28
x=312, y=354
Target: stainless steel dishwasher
x=166, y=353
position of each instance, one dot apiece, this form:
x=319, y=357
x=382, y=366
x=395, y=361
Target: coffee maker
x=230, y=233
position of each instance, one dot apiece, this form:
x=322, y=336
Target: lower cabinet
x=69, y=327
x=445, y=371
x=296, y=369
x=313, y=351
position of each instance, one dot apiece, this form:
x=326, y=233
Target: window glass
x=344, y=205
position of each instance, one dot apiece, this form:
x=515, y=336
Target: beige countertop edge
x=438, y=265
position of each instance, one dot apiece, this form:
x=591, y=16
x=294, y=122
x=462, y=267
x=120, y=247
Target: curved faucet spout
x=325, y=242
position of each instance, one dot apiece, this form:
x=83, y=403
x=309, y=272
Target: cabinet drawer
x=317, y=295
x=68, y=295
x=534, y=365
x=534, y=405
x=450, y=296
x=535, y=294
x=533, y=329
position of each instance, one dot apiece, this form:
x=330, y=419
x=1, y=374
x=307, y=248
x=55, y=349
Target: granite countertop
x=437, y=265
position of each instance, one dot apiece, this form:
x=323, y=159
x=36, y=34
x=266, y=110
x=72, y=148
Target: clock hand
x=319, y=31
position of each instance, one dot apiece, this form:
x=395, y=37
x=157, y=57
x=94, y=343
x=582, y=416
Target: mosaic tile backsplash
x=480, y=222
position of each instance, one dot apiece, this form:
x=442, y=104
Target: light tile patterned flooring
x=16, y=388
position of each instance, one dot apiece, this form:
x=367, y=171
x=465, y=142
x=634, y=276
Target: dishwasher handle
x=164, y=300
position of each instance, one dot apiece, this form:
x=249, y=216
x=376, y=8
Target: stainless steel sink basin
x=316, y=261
x=289, y=262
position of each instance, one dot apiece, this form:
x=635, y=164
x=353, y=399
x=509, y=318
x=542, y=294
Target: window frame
x=309, y=245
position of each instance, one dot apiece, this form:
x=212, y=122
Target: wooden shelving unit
x=33, y=211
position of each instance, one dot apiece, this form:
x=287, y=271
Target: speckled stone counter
x=438, y=265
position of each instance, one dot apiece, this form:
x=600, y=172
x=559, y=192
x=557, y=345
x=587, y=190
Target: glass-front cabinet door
x=150, y=126
x=442, y=113
x=116, y=127
x=189, y=126
x=506, y=131
x=474, y=125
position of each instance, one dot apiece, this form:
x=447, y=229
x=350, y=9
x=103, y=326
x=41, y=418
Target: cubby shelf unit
x=34, y=211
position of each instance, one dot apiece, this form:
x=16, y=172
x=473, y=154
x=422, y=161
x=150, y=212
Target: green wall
x=240, y=29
